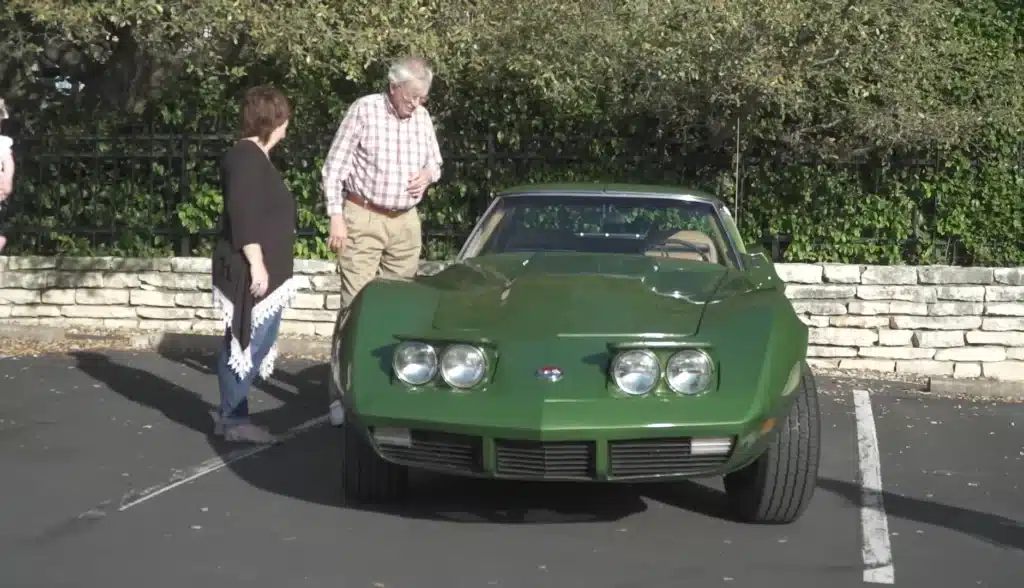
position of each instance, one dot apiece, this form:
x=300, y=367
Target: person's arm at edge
x=6, y=175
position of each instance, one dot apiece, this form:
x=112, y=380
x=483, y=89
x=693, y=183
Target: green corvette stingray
x=592, y=333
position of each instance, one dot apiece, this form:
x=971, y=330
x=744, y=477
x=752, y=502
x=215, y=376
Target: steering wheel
x=680, y=244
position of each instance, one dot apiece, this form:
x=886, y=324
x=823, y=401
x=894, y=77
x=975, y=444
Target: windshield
x=654, y=226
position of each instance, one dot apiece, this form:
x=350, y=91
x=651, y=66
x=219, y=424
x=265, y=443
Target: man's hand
x=418, y=182
x=336, y=239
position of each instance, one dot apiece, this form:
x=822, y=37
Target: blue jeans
x=234, y=392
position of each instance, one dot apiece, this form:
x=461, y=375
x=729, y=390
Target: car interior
x=685, y=244
x=672, y=243
x=505, y=233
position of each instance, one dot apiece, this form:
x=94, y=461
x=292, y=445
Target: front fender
x=762, y=345
x=363, y=339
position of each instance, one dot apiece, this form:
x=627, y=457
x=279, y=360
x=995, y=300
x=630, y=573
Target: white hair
x=410, y=69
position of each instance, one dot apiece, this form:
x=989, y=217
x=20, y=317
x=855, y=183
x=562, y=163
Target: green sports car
x=592, y=333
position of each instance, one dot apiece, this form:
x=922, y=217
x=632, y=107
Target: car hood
x=559, y=294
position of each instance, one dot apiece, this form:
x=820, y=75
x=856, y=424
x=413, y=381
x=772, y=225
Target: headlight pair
x=637, y=372
x=461, y=366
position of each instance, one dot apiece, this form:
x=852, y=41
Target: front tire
x=365, y=476
x=779, y=485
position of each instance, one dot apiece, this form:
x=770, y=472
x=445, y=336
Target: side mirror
x=757, y=256
x=756, y=248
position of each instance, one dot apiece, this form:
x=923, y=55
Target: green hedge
x=157, y=195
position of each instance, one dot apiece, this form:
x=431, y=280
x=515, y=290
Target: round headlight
x=463, y=366
x=415, y=363
x=636, y=372
x=689, y=372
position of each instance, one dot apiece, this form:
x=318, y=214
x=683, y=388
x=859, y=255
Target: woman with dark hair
x=253, y=278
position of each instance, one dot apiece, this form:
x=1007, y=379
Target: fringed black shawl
x=258, y=208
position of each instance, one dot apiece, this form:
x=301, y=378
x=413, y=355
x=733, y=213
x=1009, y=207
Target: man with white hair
x=383, y=158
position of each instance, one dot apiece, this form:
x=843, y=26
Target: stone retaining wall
x=935, y=320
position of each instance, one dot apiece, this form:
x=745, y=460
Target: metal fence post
x=184, y=195
x=492, y=163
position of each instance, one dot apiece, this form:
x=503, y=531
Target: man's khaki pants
x=377, y=243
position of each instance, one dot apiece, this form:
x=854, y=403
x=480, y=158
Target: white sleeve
x=5, y=144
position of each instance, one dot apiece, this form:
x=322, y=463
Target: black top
x=258, y=208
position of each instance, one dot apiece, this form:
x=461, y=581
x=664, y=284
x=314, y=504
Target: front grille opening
x=436, y=450
x=539, y=459
x=655, y=457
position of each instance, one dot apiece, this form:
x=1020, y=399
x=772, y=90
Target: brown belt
x=364, y=203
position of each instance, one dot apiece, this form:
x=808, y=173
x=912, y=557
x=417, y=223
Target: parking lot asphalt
x=110, y=478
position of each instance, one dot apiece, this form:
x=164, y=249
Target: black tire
x=779, y=485
x=365, y=476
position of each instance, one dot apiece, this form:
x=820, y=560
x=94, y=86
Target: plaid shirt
x=374, y=152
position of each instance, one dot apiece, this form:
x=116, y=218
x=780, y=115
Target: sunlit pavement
x=110, y=479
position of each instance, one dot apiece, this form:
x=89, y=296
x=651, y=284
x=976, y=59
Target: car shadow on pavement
x=466, y=500
x=190, y=410
x=990, y=528
x=692, y=496
x=307, y=467
x=993, y=529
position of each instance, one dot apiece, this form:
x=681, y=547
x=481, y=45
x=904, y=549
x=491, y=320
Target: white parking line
x=215, y=464
x=875, y=548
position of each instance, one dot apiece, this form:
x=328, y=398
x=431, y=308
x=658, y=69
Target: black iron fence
x=148, y=194
x=157, y=194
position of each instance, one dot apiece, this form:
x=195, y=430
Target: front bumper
x=590, y=456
